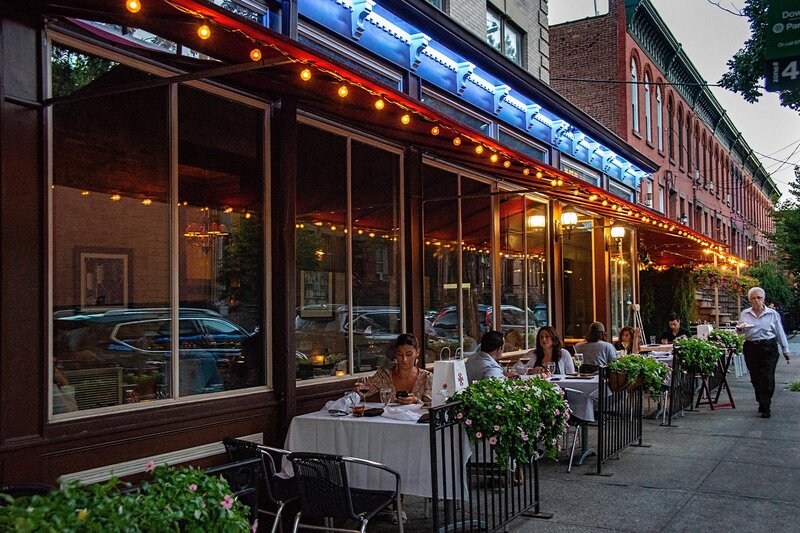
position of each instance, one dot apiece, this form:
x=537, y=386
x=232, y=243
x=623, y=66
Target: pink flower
x=459, y=416
x=254, y=527
x=478, y=435
x=525, y=437
x=557, y=412
x=498, y=406
x=150, y=466
x=192, y=487
x=468, y=422
x=493, y=441
x=227, y=501
x=496, y=427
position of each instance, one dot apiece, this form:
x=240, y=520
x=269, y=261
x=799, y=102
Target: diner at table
x=674, y=331
x=629, y=339
x=549, y=351
x=484, y=364
x=404, y=376
x=595, y=349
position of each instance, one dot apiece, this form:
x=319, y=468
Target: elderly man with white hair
x=763, y=336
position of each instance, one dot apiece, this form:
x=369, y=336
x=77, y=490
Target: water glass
x=386, y=395
x=551, y=367
x=652, y=339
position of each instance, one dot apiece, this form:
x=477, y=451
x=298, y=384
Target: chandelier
x=205, y=233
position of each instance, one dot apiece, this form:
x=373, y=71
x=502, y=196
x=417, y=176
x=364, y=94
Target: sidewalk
x=719, y=470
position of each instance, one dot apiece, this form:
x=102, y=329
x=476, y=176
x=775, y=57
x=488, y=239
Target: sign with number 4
x=783, y=74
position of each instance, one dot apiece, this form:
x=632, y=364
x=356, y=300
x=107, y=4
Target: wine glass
x=578, y=361
x=551, y=367
x=386, y=395
x=362, y=386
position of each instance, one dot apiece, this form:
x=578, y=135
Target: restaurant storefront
x=204, y=236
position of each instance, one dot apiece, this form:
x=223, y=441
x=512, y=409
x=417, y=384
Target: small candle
x=340, y=373
x=318, y=359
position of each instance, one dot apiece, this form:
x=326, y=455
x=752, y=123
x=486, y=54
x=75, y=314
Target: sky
x=710, y=37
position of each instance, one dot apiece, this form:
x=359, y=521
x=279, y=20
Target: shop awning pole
x=716, y=294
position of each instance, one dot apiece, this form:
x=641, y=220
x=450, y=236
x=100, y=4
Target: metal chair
x=325, y=493
x=574, y=397
x=275, y=492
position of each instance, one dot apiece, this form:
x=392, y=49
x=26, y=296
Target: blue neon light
x=384, y=33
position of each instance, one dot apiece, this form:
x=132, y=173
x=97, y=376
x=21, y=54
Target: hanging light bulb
x=343, y=91
x=554, y=182
x=457, y=141
x=539, y=174
x=204, y=32
x=147, y=201
x=116, y=197
x=255, y=54
x=435, y=130
x=526, y=171
x=507, y=163
x=493, y=158
x=305, y=74
x=379, y=104
x=479, y=149
x=133, y=6
x=405, y=119
x=560, y=182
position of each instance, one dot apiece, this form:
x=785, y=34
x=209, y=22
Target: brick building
x=709, y=177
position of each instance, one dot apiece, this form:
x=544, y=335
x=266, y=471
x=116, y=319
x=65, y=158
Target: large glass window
x=621, y=280
x=578, y=276
x=348, y=260
x=503, y=36
x=113, y=331
x=476, y=257
x=634, y=95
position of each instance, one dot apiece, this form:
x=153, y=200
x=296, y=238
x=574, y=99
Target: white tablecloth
x=581, y=405
x=403, y=446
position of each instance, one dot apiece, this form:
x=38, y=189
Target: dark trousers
x=761, y=358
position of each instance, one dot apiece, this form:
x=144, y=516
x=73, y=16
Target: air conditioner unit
x=728, y=199
x=696, y=177
x=711, y=187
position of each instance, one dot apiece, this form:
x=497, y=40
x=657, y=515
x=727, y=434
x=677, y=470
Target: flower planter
x=618, y=381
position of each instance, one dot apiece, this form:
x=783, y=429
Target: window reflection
x=621, y=280
x=576, y=248
x=476, y=235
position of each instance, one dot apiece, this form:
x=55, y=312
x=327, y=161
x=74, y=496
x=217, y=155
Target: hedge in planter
x=177, y=499
x=652, y=372
x=698, y=356
x=514, y=415
x=727, y=340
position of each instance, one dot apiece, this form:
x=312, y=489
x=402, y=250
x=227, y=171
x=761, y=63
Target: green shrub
x=794, y=386
x=653, y=372
x=177, y=499
x=727, y=340
x=698, y=356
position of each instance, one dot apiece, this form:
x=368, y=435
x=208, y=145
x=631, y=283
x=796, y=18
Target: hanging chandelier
x=205, y=233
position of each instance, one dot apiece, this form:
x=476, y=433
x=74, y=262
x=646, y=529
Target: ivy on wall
x=663, y=292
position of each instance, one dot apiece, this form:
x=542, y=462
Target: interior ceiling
x=277, y=76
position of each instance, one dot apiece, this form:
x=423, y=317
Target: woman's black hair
x=406, y=339
x=619, y=344
x=557, y=345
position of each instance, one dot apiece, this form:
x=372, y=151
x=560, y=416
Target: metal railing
x=619, y=418
x=681, y=390
x=475, y=492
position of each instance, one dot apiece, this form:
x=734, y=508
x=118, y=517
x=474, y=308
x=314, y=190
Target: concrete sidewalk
x=719, y=470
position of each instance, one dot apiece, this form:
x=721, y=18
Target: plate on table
x=584, y=376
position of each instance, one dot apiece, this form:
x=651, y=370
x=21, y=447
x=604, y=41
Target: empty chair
x=325, y=493
x=275, y=493
x=582, y=407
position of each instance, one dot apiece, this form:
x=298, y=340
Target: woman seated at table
x=549, y=349
x=404, y=375
x=628, y=340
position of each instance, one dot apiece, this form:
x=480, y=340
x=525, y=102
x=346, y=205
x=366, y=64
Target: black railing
x=471, y=490
x=619, y=420
x=681, y=390
x=713, y=385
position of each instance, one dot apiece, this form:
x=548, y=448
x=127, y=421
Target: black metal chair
x=275, y=492
x=325, y=493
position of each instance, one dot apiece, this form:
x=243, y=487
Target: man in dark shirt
x=675, y=330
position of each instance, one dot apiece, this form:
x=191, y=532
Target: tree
x=775, y=285
x=746, y=68
x=787, y=227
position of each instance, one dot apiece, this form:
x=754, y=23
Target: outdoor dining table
x=402, y=445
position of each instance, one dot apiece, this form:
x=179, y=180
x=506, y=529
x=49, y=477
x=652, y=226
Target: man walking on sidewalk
x=763, y=334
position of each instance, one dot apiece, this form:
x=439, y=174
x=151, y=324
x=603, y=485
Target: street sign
x=783, y=29
x=782, y=74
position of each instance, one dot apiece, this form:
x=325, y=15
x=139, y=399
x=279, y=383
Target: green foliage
x=794, y=386
x=177, y=499
x=653, y=372
x=774, y=282
x=698, y=356
x=664, y=292
x=727, y=340
x=514, y=416
x=73, y=70
x=746, y=68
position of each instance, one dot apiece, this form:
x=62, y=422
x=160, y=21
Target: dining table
x=402, y=445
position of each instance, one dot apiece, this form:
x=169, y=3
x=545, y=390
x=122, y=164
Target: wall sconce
x=569, y=219
x=537, y=221
x=617, y=233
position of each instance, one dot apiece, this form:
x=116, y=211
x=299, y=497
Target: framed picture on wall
x=316, y=293
x=104, y=278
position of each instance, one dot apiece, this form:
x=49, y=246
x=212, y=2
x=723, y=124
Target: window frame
x=504, y=21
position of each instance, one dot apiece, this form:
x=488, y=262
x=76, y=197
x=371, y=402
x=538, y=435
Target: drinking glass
x=386, y=395
x=652, y=339
x=551, y=367
x=578, y=361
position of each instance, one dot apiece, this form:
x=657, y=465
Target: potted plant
x=633, y=369
x=514, y=416
x=727, y=340
x=698, y=356
x=176, y=499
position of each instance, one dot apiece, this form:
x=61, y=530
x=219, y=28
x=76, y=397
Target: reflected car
x=513, y=319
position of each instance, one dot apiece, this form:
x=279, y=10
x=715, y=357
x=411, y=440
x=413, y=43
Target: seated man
x=483, y=364
x=674, y=331
x=596, y=350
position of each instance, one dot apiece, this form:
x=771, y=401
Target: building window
x=671, y=130
x=659, y=119
x=573, y=168
x=439, y=4
x=621, y=191
x=536, y=151
x=130, y=324
x=648, y=123
x=688, y=144
x=503, y=36
x=634, y=95
x=680, y=139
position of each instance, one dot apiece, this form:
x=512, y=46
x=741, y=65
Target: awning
x=286, y=69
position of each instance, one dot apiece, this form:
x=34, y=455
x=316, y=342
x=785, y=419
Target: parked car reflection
x=512, y=321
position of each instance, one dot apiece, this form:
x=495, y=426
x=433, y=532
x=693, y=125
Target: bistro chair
x=275, y=492
x=326, y=495
x=576, y=397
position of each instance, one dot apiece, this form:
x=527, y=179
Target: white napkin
x=343, y=404
x=398, y=413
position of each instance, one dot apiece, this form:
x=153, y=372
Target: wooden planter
x=618, y=381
